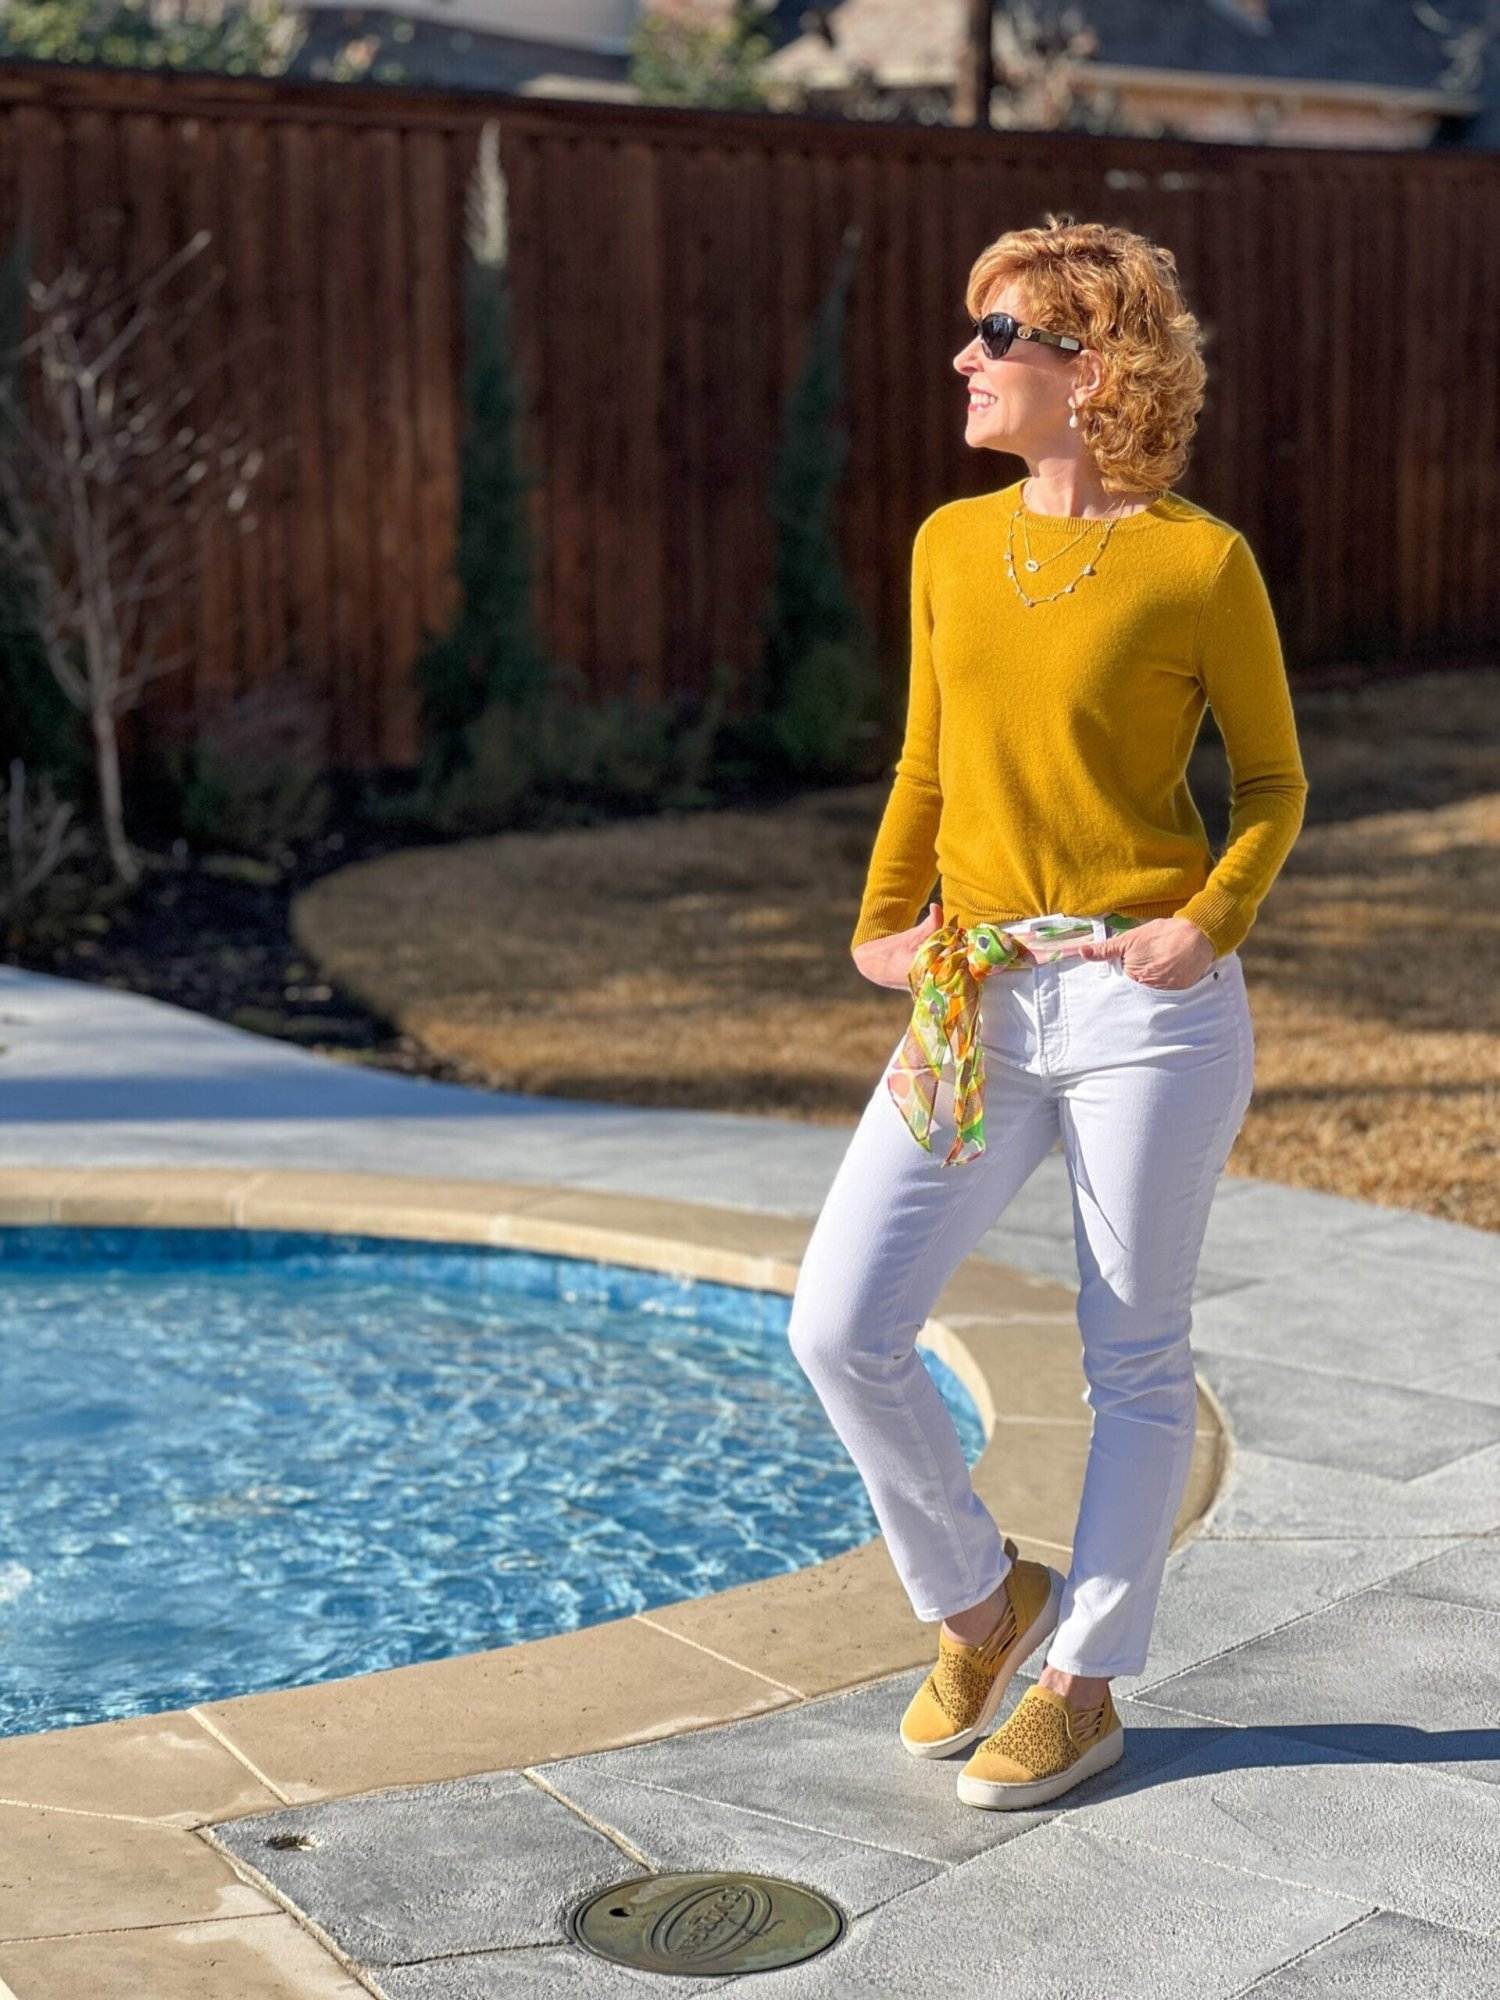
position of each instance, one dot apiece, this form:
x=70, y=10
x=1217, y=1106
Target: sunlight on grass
x=702, y=960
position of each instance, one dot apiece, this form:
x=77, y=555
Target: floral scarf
x=945, y=978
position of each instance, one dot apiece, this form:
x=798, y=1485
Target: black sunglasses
x=996, y=331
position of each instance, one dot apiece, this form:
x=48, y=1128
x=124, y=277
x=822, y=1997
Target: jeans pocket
x=1214, y=978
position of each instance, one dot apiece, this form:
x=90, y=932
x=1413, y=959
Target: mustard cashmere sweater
x=1045, y=759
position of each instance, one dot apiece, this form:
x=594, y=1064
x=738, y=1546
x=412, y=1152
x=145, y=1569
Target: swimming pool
x=243, y=1459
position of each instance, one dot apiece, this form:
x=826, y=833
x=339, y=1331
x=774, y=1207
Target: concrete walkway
x=1309, y=1803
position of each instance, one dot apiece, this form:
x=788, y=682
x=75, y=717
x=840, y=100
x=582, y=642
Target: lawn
x=701, y=960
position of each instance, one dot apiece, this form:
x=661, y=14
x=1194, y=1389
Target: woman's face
x=1019, y=404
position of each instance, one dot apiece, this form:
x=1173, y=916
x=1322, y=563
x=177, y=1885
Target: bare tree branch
x=107, y=482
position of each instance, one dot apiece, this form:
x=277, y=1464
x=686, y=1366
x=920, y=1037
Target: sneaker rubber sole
x=1041, y=1627
x=987, y=1793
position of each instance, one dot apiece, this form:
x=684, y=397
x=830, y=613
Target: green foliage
x=228, y=805
x=565, y=757
x=821, y=727
x=819, y=681
x=491, y=652
x=41, y=890
x=710, y=64
x=37, y=721
x=244, y=37
x=250, y=778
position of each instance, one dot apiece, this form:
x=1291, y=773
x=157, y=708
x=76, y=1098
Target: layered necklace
x=1033, y=563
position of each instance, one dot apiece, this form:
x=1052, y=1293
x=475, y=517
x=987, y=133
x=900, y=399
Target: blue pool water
x=242, y=1459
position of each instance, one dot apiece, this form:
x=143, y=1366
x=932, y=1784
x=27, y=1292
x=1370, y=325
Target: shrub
x=250, y=780
x=37, y=841
x=569, y=756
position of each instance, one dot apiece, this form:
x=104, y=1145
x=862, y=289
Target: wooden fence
x=667, y=266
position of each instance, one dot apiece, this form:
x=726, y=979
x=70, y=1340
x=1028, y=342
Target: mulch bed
x=212, y=932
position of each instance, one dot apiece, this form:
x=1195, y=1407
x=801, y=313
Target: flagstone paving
x=1309, y=1803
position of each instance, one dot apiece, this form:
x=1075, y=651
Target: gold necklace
x=1032, y=563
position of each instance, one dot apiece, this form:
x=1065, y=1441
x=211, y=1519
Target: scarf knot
x=945, y=976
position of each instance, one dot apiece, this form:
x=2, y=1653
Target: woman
x=1067, y=633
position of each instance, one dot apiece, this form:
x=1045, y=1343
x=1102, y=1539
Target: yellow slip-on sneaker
x=1042, y=1748
x=959, y=1697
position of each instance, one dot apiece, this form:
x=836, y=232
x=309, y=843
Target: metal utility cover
x=707, y=1923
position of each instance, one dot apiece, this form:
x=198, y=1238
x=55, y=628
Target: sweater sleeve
x=903, y=863
x=1244, y=677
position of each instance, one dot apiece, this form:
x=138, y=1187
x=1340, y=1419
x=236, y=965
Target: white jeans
x=1146, y=1087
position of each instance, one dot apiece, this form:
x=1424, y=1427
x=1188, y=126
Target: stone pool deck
x=1309, y=1802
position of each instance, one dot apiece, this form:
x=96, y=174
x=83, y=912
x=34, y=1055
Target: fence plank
x=307, y=578
x=666, y=267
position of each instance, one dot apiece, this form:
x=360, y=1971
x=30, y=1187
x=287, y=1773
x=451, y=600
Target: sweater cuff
x=877, y=924
x=1221, y=918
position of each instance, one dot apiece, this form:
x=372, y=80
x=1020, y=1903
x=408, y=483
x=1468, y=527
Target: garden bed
x=212, y=932
x=701, y=960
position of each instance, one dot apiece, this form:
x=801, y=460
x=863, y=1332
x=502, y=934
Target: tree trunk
x=111, y=809
x=975, y=77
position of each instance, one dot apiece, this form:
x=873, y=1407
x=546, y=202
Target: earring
x=1073, y=419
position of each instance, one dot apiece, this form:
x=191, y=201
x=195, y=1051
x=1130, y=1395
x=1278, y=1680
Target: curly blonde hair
x=1119, y=294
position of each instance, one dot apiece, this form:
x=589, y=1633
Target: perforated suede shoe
x=959, y=1698
x=1042, y=1748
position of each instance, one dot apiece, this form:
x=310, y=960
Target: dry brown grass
x=702, y=960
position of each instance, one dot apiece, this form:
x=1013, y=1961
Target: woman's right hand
x=887, y=961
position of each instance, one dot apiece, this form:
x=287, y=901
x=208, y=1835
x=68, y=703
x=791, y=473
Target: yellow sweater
x=1045, y=759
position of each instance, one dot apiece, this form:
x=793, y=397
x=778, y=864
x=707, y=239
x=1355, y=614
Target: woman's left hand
x=1168, y=951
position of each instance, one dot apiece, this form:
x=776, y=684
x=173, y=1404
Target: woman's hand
x=887, y=960
x=1168, y=951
